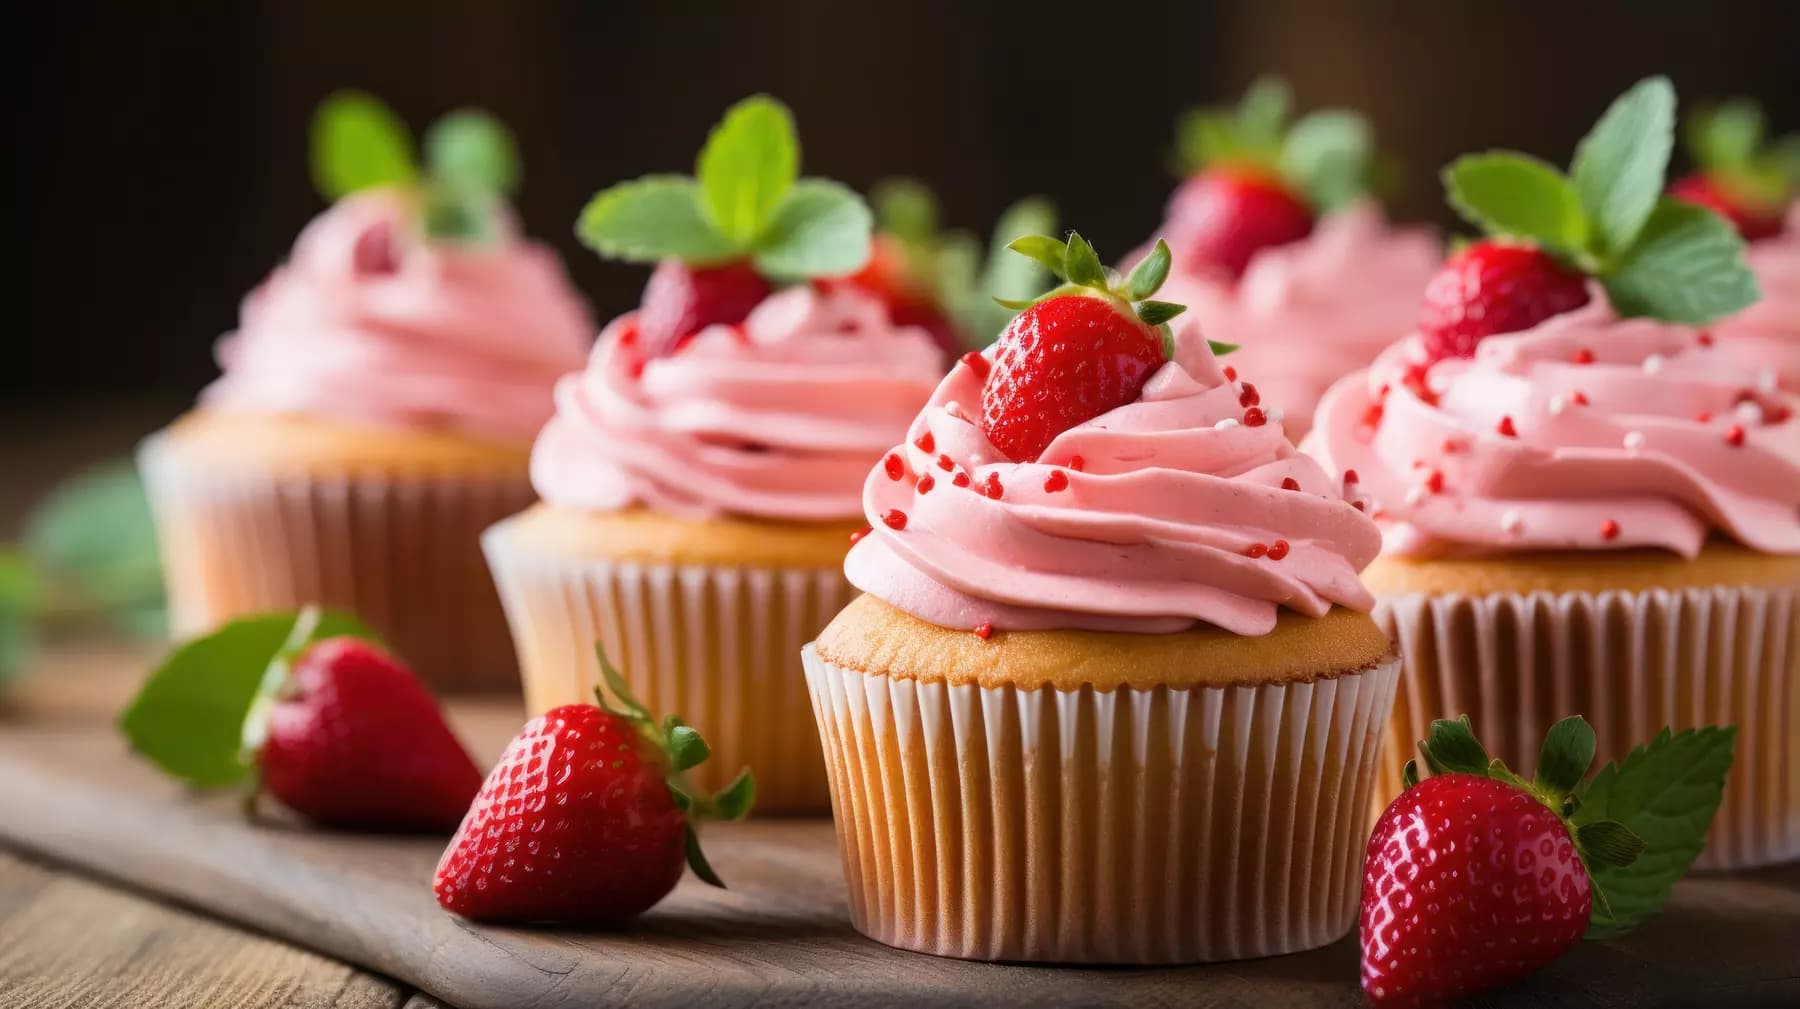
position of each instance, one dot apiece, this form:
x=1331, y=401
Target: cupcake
x=1588, y=505
x=377, y=403
x=701, y=477
x=1280, y=249
x=1111, y=694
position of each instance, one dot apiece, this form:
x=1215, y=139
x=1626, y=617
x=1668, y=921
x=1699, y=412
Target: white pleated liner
x=401, y=552
x=1630, y=662
x=1123, y=827
x=720, y=646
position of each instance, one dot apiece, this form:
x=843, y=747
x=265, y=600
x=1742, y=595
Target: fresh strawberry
x=1221, y=217
x=1494, y=286
x=353, y=739
x=890, y=276
x=681, y=300
x=1750, y=220
x=1075, y=353
x=586, y=819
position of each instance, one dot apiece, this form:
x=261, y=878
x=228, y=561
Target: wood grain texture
x=780, y=936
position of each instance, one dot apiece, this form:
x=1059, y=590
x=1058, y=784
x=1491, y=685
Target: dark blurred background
x=161, y=147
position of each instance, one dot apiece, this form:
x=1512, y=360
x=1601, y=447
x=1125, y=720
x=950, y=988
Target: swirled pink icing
x=1768, y=332
x=367, y=322
x=1309, y=312
x=1151, y=517
x=777, y=418
x=1587, y=432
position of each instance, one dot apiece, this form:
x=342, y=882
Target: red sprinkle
x=1777, y=415
x=636, y=369
x=1583, y=356
x=1230, y=373
x=1705, y=338
x=1578, y=398
x=1289, y=483
x=1254, y=417
x=740, y=335
x=628, y=337
x=1505, y=427
x=1372, y=416
x=991, y=486
x=1350, y=476
x=895, y=468
x=1278, y=550
x=1434, y=482
x=1451, y=447
x=984, y=630
x=1609, y=530
x=856, y=537
x=1256, y=550
x=1057, y=480
x=1703, y=417
x=977, y=364
x=945, y=463
x=1249, y=397
x=926, y=483
x=894, y=518
x=1076, y=463
x=1734, y=435
x=961, y=479
x=925, y=442
x=1358, y=505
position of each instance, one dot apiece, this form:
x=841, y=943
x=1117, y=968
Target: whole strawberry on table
x=1476, y=877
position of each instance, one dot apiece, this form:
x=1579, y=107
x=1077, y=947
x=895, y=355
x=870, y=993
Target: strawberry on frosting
x=1768, y=332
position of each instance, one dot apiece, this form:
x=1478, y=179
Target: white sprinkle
x=1750, y=412
x=1512, y=521
x=1558, y=403
x=1767, y=380
x=1274, y=414
x=954, y=409
x=1634, y=441
x=1226, y=424
x=1416, y=496
x=1653, y=364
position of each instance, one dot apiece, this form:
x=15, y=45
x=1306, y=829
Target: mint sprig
x=1729, y=141
x=1079, y=267
x=1655, y=255
x=746, y=201
x=471, y=162
x=1329, y=155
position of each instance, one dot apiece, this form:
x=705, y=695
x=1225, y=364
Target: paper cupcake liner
x=719, y=645
x=399, y=550
x=1630, y=662
x=1124, y=827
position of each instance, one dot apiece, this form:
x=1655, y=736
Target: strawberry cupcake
x=1280, y=250
x=1112, y=694
x=701, y=477
x=1587, y=503
x=377, y=403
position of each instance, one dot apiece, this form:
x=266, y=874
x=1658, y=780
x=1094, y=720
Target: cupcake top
x=1560, y=392
x=1768, y=332
x=754, y=379
x=409, y=303
x=1100, y=472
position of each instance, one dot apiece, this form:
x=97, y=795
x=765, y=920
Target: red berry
x=909, y=299
x=681, y=300
x=1494, y=287
x=894, y=519
x=373, y=254
x=1469, y=882
x=1221, y=217
x=355, y=740
x=1062, y=362
x=1751, y=221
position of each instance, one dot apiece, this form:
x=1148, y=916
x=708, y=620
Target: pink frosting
x=778, y=418
x=1153, y=533
x=368, y=323
x=1768, y=332
x=1307, y=313
x=1661, y=438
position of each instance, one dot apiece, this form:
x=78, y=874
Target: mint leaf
x=359, y=143
x=1567, y=753
x=188, y=718
x=749, y=163
x=905, y=209
x=1514, y=194
x=1666, y=793
x=1619, y=166
x=821, y=229
x=473, y=150
x=1328, y=154
x=1609, y=843
x=1726, y=136
x=459, y=213
x=1687, y=266
x=652, y=218
x=93, y=538
x=19, y=590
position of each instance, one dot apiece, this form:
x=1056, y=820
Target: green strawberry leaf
x=1566, y=755
x=821, y=229
x=733, y=802
x=1220, y=348
x=906, y=209
x=1514, y=194
x=1328, y=154
x=696, y=859
x=472, y=150
x=1620, y=164
x=1686, y=266
x=653, y=218
x=359, y=143
x=93, y=540
x=1150, y=272
x=1726, y=136
x=686, y=748
x=1010, y=276
x=1451, y=748
x=1050, y=254
x=1204, y=137
x=1156, y=313
x=1083, y=263
x=1666, y=792
x=750, y=162
x=1262, y=113
x=189, y=717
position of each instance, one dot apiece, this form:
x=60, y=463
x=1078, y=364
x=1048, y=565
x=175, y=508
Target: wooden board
x=779, y=936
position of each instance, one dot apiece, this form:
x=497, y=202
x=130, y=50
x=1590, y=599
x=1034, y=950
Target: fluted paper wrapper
x=399, y=550
x=719, y=645
x=1630, y=662
x=1124, y=827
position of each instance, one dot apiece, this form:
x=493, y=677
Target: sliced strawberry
x=681, y=300
x=1221, y=217
x=1751, y=221
x=1494, y=286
